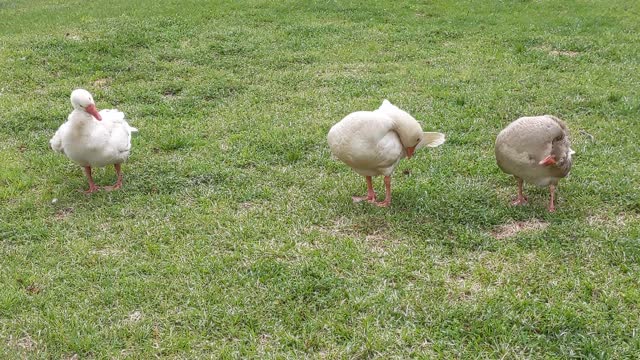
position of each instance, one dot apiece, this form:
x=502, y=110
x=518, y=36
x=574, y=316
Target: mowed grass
x=235, y=236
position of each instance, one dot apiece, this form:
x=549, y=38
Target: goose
x=94, y=139
x=535, y=149
x=374, y=142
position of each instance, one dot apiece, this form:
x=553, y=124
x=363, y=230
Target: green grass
x=235, y=236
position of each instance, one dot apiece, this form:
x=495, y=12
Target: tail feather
x=56, y=140
x=112, y=114
x=432, y=139
x=56, y=143
x=117, y=116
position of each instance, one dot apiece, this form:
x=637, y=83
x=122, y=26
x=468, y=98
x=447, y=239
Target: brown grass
x=564, y=53
x=33, y=289
x=101, y=83
x=25, y=343
x=106, y=252
x=554, y=52
x=612, y=221
x=134, y=317
x=63, y=213
x=513, y=228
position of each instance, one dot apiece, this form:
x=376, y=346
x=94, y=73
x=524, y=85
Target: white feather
x=370, y=141
x=89, y=142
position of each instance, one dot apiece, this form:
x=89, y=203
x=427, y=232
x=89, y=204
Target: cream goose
x=537, y=150
x=374, y=142
x=94, y=139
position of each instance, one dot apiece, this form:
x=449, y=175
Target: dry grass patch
x=380, y=242
x=553, y=52
x=356, y=70
x=613, y=221
x=513, y=228
x=101, y=83
x=106, y=252
x=463, y=289
x=250, y=207
x=63, y=213
x=341, y=227
x=33, y=289
x=170, y=94
x=73, y=36
x=25, y=343
x=564, y=53
x=134, y=317
x=247, y=205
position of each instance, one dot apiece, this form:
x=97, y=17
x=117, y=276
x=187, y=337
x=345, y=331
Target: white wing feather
x=56, y=140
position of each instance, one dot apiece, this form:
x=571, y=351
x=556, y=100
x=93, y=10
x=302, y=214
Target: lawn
x=234, y=235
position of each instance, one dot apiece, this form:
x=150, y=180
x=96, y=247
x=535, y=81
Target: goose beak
x=410, y=151
x=549, y=160
x=91, y=109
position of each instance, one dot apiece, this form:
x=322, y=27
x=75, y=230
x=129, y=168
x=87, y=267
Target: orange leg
x=387, y=189
x=371, y=195
x=521, y=200
x=118, y=183
x=92, y=186
x=552, y=190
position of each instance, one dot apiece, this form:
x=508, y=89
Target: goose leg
x=92, y=185
x=387, y=189
x=118, y=183
x=371, y=195
x=552, y=190
x=521, y=200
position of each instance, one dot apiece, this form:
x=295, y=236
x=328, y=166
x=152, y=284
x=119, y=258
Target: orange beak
x=410, y=151
x=91, y=109
x=549, y=160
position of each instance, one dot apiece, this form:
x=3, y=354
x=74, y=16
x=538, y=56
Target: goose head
x=407, y=128
x=561, y=152
x=82, y=100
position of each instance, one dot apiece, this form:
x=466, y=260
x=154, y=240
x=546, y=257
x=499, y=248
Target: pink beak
x=549, y=160
x=410, y=151
x=91, y=109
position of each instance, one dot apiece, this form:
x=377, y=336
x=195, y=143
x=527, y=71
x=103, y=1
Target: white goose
x=374, y=142
x=94, y=139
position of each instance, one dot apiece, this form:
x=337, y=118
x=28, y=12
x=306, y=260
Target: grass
x=234, y=235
